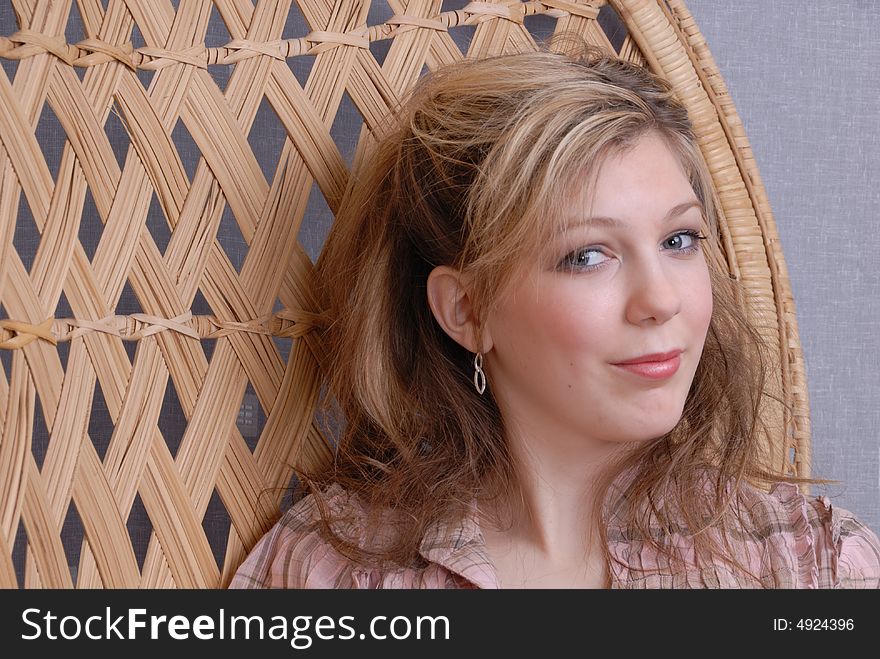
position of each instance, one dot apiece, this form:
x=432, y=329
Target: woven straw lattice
x=106, y=367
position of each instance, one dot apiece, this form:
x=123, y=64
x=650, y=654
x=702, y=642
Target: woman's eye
x=682, y=240
x=592, y=258
x=583, y=259
x=685, y=242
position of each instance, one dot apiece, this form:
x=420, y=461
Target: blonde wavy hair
x=473, y=170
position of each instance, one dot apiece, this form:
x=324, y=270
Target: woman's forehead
x=605, y=197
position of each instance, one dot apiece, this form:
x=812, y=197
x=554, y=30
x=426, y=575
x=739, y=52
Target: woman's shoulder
x=295, y=554
x=824, y=545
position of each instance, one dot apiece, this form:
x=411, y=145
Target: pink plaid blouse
x=794, y=542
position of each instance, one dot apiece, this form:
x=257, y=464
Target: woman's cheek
x=708, y=302
x=583, y=328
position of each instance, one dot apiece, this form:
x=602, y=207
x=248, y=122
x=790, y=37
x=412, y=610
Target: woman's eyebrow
x=676, y=210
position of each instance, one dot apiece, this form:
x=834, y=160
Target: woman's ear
x=451, y=305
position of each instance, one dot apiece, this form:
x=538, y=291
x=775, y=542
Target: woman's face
x=607, y=292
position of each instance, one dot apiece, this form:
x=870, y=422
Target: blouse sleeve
x=294, y=555
x=829, y=545
x=858, y=551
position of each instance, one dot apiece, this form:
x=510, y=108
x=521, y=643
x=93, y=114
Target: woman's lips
x=653, y=370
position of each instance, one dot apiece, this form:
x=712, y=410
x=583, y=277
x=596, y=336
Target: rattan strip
x=89, y=52
x=287, y=323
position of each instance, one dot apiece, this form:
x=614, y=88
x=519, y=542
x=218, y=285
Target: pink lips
x=654, y=367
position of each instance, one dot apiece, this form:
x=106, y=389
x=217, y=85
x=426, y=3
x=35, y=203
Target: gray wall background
x=805, y=78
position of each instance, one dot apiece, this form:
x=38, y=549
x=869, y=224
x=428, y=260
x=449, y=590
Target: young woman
x=543, y=374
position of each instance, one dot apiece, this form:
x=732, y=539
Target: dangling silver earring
x=479, y=376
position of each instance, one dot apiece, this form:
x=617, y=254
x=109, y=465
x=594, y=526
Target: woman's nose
x=655, y=292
